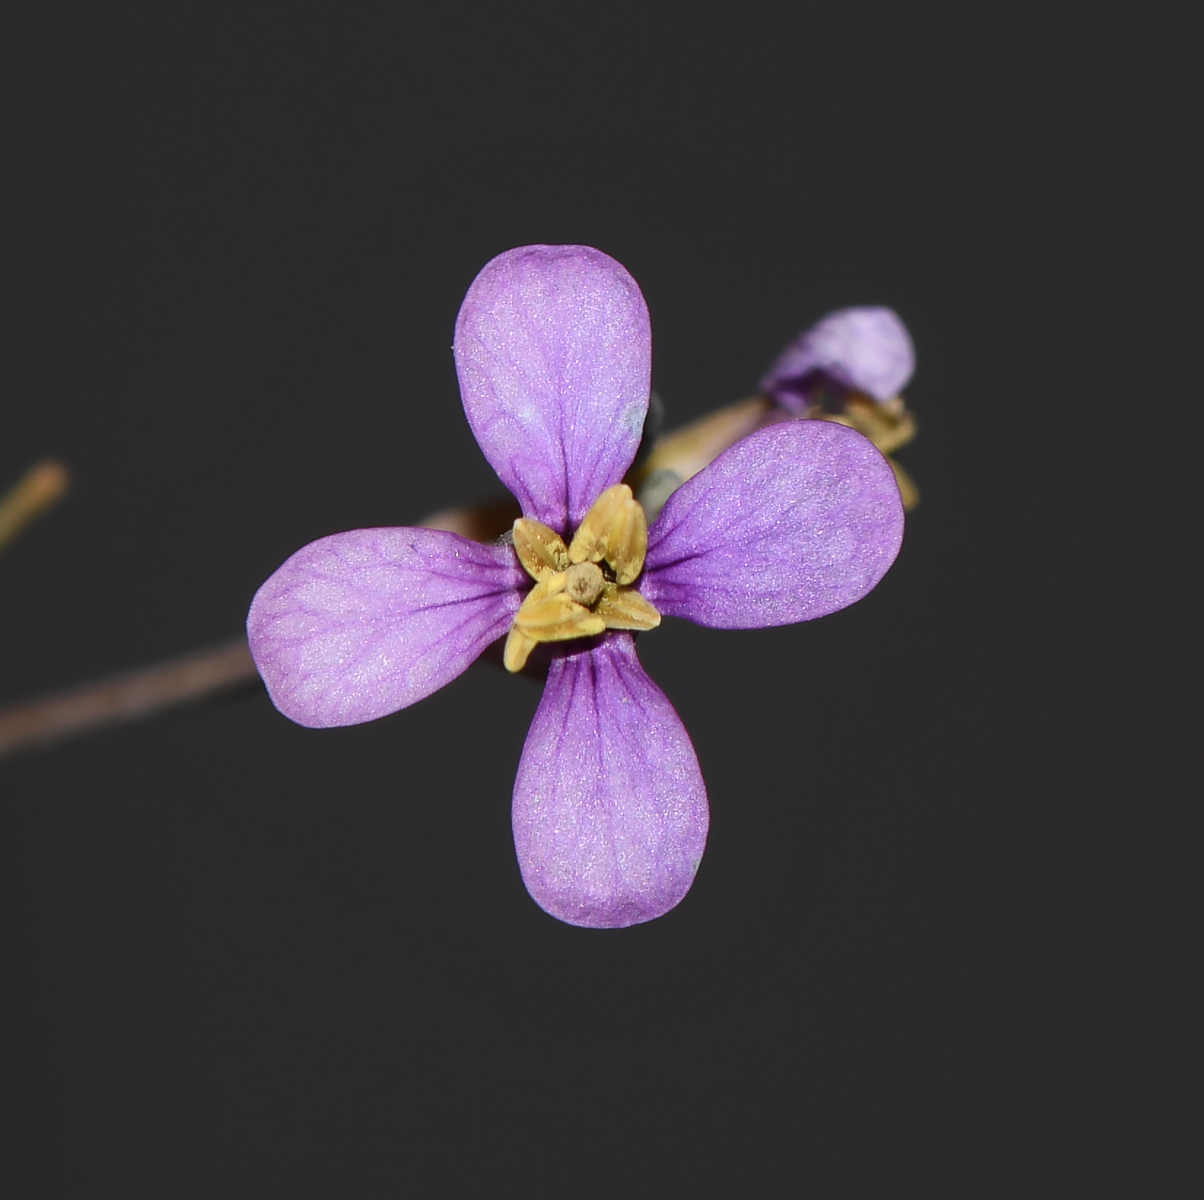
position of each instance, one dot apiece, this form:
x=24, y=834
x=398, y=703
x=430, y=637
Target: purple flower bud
x=865, y=350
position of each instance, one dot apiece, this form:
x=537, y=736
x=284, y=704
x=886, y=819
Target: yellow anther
x=574, y=596
x=518, y=649
x=625, y=608
x=548, y=614
x=541, y=550
x=615, y=530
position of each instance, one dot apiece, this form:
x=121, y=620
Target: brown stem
x=125, y=697
x=687, y=450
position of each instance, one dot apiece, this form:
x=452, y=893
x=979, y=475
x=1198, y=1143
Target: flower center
x=583, y=589
x=584, y=583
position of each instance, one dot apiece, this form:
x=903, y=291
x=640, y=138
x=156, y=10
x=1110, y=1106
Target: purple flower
x=864, y=350
x=553, y=351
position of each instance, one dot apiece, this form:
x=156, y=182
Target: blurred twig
x=125, y=697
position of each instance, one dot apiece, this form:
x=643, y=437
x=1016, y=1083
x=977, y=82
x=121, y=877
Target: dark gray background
x=933, y=947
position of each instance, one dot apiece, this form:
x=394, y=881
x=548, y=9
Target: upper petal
x=795, y=521
x=554, y=354
x=864, y=349
x=358, y=625
x=610, y=811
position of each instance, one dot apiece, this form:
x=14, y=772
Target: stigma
x=584, y=588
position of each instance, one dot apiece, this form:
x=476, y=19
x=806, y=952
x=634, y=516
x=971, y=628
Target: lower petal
x=361, y=624
x=610, y=811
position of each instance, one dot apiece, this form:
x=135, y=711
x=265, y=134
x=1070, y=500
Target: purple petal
x=864, y=349
x=610, y=811
x=795, y=521
x=358, y=625
x=554, y=354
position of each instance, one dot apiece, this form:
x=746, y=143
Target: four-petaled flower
x=553, y=352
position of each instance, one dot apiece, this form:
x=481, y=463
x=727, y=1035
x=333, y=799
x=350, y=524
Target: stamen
x=574, y=596
x=614, y=529
x=625, y=608
x=548, y=614
x=541, y=550
x=518, y=649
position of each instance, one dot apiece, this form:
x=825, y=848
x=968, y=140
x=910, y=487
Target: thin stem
x=687, y=450
x=42, y=486
x=125, y=697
